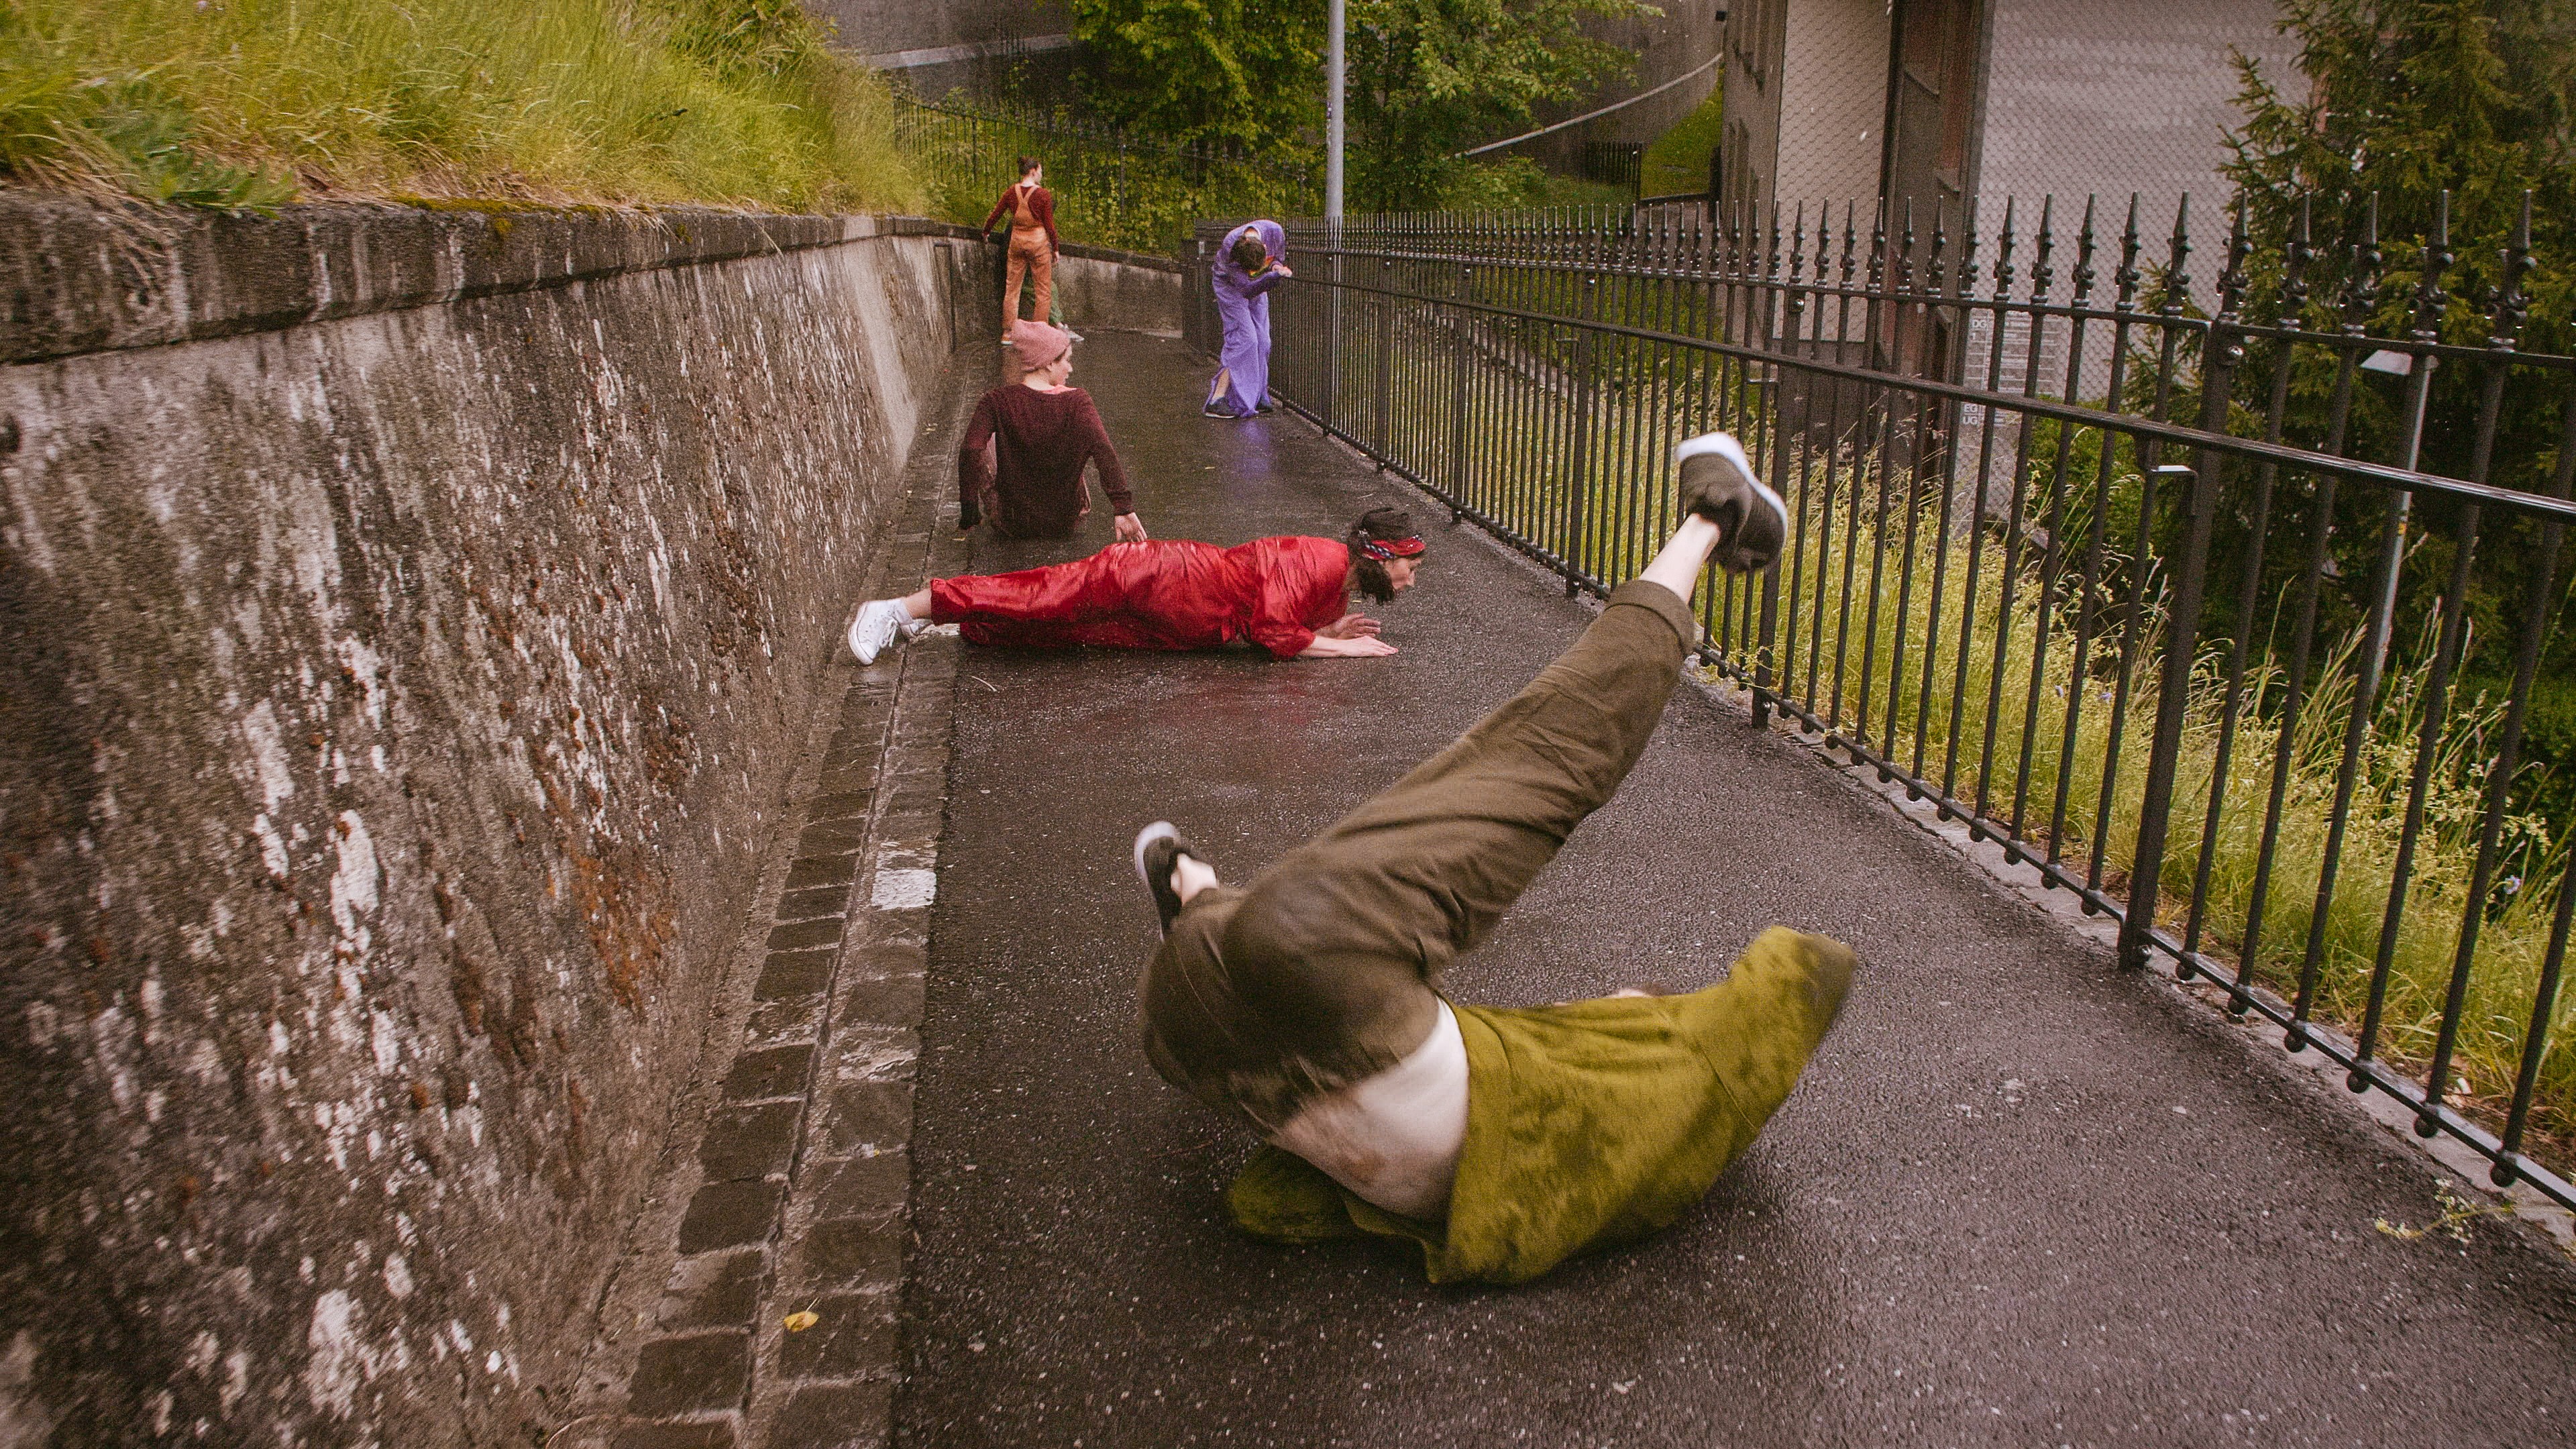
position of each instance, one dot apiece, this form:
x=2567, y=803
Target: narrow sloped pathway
x=2020, y=1199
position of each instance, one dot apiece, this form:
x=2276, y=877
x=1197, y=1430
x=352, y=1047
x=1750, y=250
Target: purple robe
x=1243, y=303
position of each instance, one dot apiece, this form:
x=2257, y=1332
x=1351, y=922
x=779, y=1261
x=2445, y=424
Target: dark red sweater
x=1041, y=212
x=1033, y=488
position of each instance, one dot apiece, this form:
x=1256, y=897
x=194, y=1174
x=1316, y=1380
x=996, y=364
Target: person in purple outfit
x=1249, y=262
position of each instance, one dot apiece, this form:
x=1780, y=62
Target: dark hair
x=1377, y=525
x=1029, y=164
x=1248, y=253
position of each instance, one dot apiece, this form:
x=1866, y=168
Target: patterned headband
x=1409, y=546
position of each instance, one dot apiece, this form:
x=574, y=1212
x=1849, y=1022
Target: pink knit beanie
x=1037, y=344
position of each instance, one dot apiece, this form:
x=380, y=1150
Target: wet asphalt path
x=2018, y=1199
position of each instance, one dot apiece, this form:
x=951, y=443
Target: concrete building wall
x=1833, y=105
x=2100, y=96
x=2083, y=100
x=413, y=617
x=1755, y=39
x=2081, y=96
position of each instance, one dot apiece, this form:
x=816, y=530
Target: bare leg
x=1678, y=565
x=917, y=604
x=1191, y=875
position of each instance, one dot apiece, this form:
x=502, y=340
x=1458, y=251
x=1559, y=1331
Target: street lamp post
x=1333, y=130
x=1333, y=120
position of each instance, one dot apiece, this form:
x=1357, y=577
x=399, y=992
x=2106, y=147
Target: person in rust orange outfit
x=1033, y=244
x=1289, y=596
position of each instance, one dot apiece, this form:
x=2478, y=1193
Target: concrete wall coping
x=1147, y=260
x=84, y=277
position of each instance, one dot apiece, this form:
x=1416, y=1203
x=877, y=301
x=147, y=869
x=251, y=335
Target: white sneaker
x=878, y=624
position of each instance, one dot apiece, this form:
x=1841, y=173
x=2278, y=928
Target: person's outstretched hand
x=1350, y=626
x=1328, y=647
x=1129, y=528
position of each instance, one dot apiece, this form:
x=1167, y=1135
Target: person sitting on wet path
x=1307, y=1006
x=1041, y=434
x=1289, y=595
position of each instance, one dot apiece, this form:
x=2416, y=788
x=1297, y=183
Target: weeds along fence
x=1112, y=188
x=2222, y=609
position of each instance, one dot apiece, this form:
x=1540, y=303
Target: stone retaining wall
x=413, y=620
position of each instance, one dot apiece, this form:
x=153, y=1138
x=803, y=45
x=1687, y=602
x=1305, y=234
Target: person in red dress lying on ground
x=1041, y=434
x=1287, y=595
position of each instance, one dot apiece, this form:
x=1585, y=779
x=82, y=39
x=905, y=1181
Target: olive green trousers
x=1590, y=1122
x=1324, y=970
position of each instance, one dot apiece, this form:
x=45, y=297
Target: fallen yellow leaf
x=799, y=1322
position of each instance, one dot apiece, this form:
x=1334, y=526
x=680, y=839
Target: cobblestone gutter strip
x=802, y=1172
x=831, y=1382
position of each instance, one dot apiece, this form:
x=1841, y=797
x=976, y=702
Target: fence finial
x=2231, y=278
x=2128, y=275
x=2082, y=276
x=2361, y=276
x=1850, y=263
x=2004, y=257
x=2504, y=327
x=1877, y=273
x=2430, y=299
x=1905, y=252
x=2177, y=292
x=2294, y=272
x=2042, y=279
x=1967, y=245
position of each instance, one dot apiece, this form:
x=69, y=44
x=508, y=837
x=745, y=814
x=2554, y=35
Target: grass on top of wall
x=251, y=103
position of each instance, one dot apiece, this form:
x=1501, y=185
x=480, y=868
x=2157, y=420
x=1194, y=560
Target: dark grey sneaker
x=1718, y=485
x=1158, y=847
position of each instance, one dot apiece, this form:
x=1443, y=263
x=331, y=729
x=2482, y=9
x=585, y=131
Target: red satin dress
x=1175, y=594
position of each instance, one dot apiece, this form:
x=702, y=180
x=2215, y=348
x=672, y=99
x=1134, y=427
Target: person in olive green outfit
x=1503, y=1141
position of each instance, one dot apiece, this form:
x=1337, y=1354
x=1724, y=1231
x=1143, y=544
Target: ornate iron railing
x=2171, y=599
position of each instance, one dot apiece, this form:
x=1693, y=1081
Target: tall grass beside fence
x=235, y=103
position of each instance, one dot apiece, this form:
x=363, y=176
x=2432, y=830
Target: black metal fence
x=2217, y=609
x=1112, y=188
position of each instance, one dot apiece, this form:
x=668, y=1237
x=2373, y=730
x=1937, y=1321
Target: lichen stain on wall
x=395, y=711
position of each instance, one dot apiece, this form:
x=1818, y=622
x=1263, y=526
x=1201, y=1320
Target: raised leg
x=1422, y=872
x=1335, y=950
